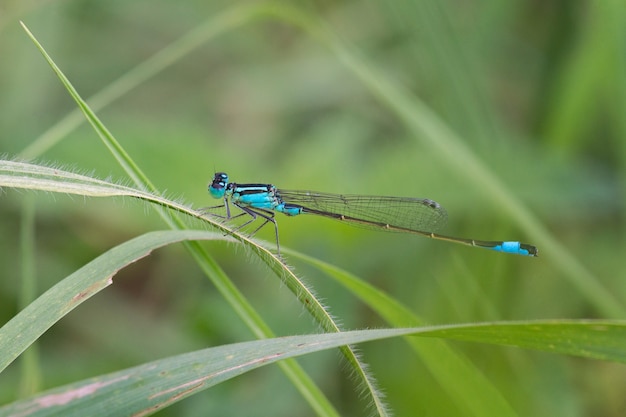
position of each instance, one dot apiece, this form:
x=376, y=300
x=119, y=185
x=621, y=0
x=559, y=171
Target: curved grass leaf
x=145, y=389
x=594, y=339
x=28, y=325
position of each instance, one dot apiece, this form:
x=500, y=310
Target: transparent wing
x=379, y=212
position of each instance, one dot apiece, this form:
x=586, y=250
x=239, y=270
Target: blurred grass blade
x=594, y=339
x=429, y=128
x=150, y=387
x=186, y=44
x=30, y=369
x=28, y=325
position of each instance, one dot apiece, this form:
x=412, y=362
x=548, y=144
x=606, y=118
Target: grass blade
x=148, y=388
x=27, y=326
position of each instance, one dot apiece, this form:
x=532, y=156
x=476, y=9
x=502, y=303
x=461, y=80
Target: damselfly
x=396, y=214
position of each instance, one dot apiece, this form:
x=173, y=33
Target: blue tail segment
x=516, y=248
x=395, y=214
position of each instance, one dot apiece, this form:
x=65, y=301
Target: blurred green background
x=535, y=89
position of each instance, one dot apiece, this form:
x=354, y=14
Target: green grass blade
x=147, y=388
x=150, y=387
x=24, y=175
x=594, y=339
x=28, y=325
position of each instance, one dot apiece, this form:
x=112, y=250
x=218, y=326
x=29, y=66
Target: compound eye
x=219, y=184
